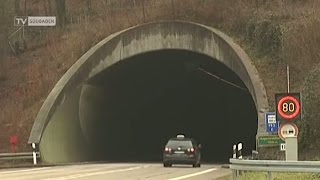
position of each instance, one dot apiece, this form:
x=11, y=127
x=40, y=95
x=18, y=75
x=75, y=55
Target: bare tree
x=173, y=10
x=61, y=8
x=17, y=8
x=144, y=10
x=89, y=7
x=25, y=7
x=4, y=29
x=139, y=4
x=49, y=7
x=45, y=8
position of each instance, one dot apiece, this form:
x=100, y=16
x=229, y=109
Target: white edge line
x=92, y=174
x=24, y=170
x=193, y=174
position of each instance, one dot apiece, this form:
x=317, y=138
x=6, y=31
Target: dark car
x=182, y=150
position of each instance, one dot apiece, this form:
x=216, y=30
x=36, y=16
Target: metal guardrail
x=238, y=165
x=21, y=155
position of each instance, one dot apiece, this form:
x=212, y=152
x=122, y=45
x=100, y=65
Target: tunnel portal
x=151, y=97
x=129, y=93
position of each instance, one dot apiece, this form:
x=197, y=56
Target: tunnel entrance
x=148, y=98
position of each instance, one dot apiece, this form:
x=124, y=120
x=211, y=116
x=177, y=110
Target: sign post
x=288, y=109
x=291, y=149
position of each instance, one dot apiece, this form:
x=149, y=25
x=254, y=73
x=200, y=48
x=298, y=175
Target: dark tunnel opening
x=151, y=97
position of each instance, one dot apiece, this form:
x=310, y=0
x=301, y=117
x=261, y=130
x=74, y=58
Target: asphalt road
x=116, y=171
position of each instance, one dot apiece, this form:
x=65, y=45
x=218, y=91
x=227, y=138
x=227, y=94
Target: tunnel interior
x=133, y=107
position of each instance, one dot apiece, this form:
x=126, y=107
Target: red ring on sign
x=288, y=123
x=295, y=101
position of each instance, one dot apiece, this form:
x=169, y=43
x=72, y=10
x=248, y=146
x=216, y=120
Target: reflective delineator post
x=239, y=150
x=34, y=153
x=234, y=155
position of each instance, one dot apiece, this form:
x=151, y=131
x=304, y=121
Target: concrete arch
x=152, y=37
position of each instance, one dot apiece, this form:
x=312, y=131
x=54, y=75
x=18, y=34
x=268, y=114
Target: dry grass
x=273, y=33
x=278, y=176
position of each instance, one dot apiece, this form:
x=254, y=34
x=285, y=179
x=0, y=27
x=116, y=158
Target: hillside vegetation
x=274, y=33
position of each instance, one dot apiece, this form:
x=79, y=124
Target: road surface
x=116, y=171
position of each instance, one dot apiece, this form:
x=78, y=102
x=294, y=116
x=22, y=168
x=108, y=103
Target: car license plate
x=179, y=152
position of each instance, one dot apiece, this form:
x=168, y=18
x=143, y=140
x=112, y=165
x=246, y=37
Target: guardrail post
x=34, y=154
x=234, y=174
x=269, y=175
x=254, y=155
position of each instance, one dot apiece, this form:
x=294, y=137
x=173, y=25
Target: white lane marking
x=24, y=170
x=59, y=171
x=92, y=174
x=194, y=174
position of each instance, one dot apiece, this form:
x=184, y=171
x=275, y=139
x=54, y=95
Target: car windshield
x=179, y=143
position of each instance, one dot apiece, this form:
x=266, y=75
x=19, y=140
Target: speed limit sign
x=288, y=106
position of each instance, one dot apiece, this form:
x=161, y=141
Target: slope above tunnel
x=151, y=37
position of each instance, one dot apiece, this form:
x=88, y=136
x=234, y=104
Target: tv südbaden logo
x=34, y=21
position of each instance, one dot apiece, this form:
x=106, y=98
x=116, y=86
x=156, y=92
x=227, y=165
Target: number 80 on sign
x=288, y=106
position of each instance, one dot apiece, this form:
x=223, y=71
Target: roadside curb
x=226, y=166
x=10, y=166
